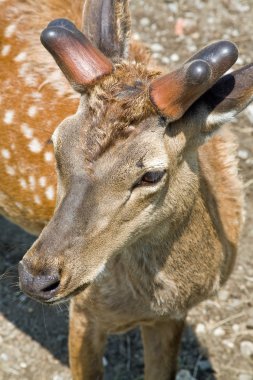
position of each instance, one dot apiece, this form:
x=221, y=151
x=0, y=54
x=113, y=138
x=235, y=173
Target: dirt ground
x=218, y=340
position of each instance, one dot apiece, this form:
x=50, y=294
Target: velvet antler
x=78, y=59
x=174, y=93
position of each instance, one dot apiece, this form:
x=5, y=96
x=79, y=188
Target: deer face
x=126, y=161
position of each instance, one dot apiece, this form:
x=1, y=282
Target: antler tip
x=198, y=72
x=62, y=23
x=226, y=51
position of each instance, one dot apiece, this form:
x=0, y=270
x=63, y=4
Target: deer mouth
x=66, y=297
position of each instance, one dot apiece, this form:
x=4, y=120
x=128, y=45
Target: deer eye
x=150, y=178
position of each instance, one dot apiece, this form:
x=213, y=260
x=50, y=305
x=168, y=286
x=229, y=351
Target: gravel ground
x=218, y=340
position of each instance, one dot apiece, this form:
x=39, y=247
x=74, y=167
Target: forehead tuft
x=126, y=88
x=115, y=106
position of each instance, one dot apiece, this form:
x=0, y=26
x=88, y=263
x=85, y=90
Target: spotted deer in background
x=149, y=204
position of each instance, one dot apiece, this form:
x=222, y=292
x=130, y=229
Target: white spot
x=31, y=80
x=21, y=57
x=37, y=199
x=50, y=192
x=32, y=111
x=23, y=183
x=9, y=31
x=27, y=131
x=6, y=154
x=19, y=205
x=48, y=156
x=32, y=182
x=10, y=170
x=35, y=146
x=43, y=181
x=36, y=95
x=23, y=70
x=8, y=117
x=5, y=50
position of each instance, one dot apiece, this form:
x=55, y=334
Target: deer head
x=127, y=161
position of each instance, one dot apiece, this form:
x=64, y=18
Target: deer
x=135, y=196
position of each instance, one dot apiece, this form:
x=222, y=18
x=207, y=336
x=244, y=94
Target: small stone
x=56, y=376
x=233, y=303
x=236, y=328
x=184, y=374
x=144, y=21
x=246, y=348
x=245, y=376
x=165, y=60
x=157, y=48
x=174, y=57
x=105, y=361
x=219, y=331
x=195, y=35
x=136, y=36
x=156, y=55
x=223, y=295
x=173, y=7
x=4, y=357
x=243, y=7
x=190, y=26
x=23, y=298
x=179, y=27
x=240, y=61
x=23, y=365
x=249, y=161
x=228, y=343
x=243, y=154
x=235, y=33
x=200, y=328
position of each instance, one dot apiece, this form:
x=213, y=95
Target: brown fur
x=128, y=252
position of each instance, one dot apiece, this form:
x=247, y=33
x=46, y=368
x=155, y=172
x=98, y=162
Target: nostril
x=43, y=287
x=51, y=287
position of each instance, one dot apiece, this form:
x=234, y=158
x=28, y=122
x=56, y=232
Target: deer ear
x=229, y=96
x=107, y=24
x=79, y=60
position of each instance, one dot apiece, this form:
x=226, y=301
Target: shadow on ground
x=49, y=325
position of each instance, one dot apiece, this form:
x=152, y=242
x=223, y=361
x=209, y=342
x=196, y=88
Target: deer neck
x=184, y=263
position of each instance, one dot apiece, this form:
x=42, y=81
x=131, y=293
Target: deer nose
x=41, y=287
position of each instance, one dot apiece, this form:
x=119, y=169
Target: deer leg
x=86, y=345
x=161, y=345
